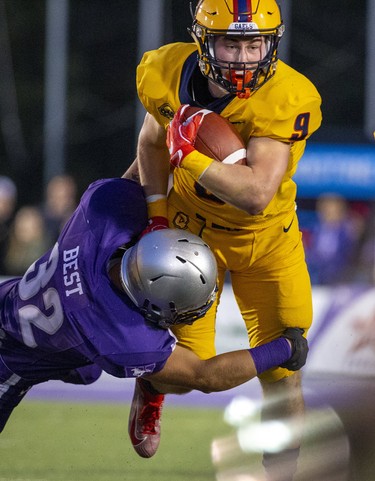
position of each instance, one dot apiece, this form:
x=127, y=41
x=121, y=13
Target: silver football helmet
x=170, y=275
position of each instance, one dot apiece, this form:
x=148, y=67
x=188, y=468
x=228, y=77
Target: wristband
x=196, y=164
x=271, y=354
x=155, y=197
x=157, y=208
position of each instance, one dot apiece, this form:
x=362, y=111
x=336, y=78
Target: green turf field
x=52, y=441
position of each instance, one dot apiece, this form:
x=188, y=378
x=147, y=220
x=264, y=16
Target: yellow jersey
x=286, y=108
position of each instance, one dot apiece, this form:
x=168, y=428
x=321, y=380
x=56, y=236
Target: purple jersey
x=65, y=312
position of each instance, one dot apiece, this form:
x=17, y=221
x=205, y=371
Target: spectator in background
x=365, y=256
x=59, y=204
x=332, y=241
x=8, y=201
x=28, y=240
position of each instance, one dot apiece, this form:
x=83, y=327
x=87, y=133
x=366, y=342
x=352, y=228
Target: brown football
x=217, y=138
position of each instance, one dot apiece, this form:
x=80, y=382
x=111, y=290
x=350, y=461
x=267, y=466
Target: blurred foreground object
x=324, y=454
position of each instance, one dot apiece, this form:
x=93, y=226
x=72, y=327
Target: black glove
x=300, y=349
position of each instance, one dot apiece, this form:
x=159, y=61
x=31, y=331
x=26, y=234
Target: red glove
x=155, y=223
x=181, y=136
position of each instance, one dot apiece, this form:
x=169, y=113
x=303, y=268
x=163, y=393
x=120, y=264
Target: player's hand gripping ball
x=194, y=128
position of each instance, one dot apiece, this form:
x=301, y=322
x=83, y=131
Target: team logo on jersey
x=166, y=111
x=181, y=220
x=139, y=370
x=286, y=229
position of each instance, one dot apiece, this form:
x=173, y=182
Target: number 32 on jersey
x=30, y=314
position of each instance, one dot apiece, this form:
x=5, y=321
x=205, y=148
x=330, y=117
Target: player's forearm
x=153, y=157
x=184, y=371
x=234, y=368
x=154, y=173
x=226, y=371
x=223, y=372
x=132, y=172
x=153, y=165
x=237, y=185
x=248, y=187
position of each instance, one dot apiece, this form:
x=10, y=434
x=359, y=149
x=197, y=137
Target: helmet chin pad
x=154, y=314
x=241, y=80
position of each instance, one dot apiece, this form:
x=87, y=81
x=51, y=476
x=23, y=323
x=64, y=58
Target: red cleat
x=144, y=419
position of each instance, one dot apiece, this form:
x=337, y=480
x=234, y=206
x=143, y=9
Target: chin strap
x=242, y=93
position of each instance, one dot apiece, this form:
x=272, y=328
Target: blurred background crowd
x=27, y=231
x=69, y=114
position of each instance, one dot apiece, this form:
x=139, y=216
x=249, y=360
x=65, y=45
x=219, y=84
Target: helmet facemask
x=242, y=78
x=154, y=314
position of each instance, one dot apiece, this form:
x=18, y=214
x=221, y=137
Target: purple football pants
x=13, y=387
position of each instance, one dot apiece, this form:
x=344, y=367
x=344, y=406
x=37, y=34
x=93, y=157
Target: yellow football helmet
x=214, y=18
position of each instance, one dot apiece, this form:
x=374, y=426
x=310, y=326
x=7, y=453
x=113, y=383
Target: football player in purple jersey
x=100, y=299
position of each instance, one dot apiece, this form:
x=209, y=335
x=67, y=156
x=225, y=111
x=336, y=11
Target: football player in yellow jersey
x=246, y=213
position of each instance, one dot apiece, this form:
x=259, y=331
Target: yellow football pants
x=269, y=278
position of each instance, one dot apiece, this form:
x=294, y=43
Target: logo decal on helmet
x=242, y=10
x=248, y=26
